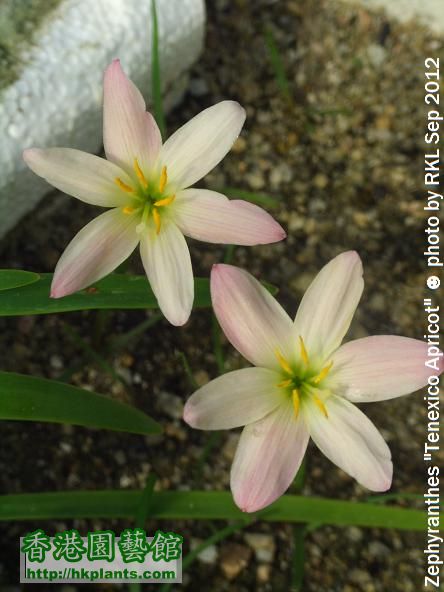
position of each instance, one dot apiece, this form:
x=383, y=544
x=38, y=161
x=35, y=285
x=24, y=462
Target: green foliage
x=15, y=278
x=38, y=399
x=156, y=83
x=204, y=505
x=116, y=291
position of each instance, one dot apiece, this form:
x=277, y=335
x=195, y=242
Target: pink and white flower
x=305, y=382
x=147, y=185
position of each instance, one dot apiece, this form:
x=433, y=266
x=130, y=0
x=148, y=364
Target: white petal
x=85, y=176
x=350, y=440
x=234, y=399
x=129, y=132
x=328, y=306
x=198, y=146
x=268, y=456
x=253, y=321
x=381, y=367
x=209, y=216
x=100, y=247
x=167, y=263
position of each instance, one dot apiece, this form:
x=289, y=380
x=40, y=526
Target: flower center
x=303, y=381
x=147, y=197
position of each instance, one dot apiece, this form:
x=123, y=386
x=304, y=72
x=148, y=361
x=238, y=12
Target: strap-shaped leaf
x=38, y=399
x=14, y=278
x=204, y=505
x=116, y=291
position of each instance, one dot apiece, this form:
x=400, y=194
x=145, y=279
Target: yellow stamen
x=304, y=354
x=128, y=210
x=285, y=383
x=140, y=174
x=283, y=362
x=163, y=179
x=165, y=201
x=157, y=220
x=296, y=401
x=123, y=185
x=323, y=373
x=321, y=405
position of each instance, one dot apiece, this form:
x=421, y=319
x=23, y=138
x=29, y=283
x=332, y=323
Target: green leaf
x=277, y=63
x=156, y=85
x=38, y=399
x=116, y=291
x=260, y=199
x=14, y=278
x=203, y=505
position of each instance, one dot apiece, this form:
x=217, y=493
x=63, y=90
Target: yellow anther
x=123, y=185
x=296, y=401
x=283, y=362
x=304, y=354
x=128, y=210
x=323, y=373
x=321, y=405
x=163, y=179
x=165, y=201
x=285, y=383
x=140, y=174
x=157, y=220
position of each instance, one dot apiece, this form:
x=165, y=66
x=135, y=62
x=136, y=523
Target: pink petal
x=250, y=317
x=85, y=176
x=234, y=399
x=199, y=145
x=167, y=263
x=328, y=306
x=129, y=132
x=350, y=440
x=95, y=251
x=382, y=367
x=268, y=456
x=209, y=216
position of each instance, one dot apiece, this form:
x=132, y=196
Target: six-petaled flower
x=305, y=382
x=147, y=185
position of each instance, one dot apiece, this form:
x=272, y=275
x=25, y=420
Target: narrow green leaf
x=298, y=557
x=277, y=64
x=188, y=371
x=155, y=72
x=143, y=509
x=134, y=334
x=261, y=199
x=114, y=292
x=203, y=505
x=39, y=399
x=14, y=278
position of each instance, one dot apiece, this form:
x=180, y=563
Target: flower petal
x=250, y=317
x=199, y=145
x=382, y=367
x=268, y=456
x=234, y=399
x=85, y=176
x=167, y=263
x=210, y=216
x=129, y=132
x=327, y=308
x=100, y=247
x=350, y=440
